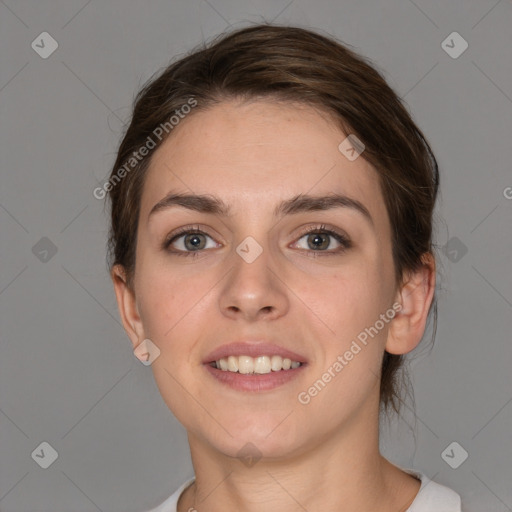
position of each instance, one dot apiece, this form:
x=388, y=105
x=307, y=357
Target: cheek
x=158, y=308
x=169, y=313
x=170, y=299
x=177, y=313
x=347, y=371
x=347, y=300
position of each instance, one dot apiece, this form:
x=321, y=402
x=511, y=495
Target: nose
x=254, y=291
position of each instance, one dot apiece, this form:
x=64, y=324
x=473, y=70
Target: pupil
x=194, y=241
x=319, y=241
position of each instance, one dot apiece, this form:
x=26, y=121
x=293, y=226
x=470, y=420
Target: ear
x=127, y=305
x=415, y=297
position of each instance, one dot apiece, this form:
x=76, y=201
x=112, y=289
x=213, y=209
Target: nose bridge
x=251, y=288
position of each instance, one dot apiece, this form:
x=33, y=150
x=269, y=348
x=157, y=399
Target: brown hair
x=297, y=65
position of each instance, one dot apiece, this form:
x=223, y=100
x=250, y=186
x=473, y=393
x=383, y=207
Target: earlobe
x=126, y=302
x=415, y=297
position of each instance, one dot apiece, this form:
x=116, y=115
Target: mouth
x=254, y=366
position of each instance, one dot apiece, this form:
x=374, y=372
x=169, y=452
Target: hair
x=296, y=65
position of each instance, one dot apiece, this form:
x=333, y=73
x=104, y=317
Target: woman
x=272, y=259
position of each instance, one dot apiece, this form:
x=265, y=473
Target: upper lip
x=253, y=348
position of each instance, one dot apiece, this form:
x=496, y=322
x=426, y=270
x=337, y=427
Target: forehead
x=255, y=154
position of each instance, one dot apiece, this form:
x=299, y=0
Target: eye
x=188, y=241
x=320, y=239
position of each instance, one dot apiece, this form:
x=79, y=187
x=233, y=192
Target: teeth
x=276, y=363
x=232, y=364
x=245, y=364
x=260, y=364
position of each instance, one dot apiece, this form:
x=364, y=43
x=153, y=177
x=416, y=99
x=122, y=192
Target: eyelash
x=344, y=242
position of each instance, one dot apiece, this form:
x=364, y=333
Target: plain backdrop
x=68, y=376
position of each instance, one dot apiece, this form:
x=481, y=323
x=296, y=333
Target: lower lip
x=255, y=382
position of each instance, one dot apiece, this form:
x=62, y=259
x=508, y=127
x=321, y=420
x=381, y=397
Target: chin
x=249, y=437
x=246, y=448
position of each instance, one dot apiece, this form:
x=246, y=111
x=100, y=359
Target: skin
x=322, y=455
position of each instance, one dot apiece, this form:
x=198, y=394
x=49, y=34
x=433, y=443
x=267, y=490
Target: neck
x=343, y=471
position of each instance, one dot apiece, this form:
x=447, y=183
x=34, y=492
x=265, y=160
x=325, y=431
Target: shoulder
x=433, y=497
x=170, y=504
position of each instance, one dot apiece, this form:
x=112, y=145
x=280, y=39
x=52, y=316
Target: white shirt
x=432, y=497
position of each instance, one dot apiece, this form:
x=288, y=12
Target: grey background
x=67, y=372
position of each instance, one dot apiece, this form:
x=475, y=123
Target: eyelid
x=189, y=228
x=182, y=231
x=322, y=227
x=341, y=237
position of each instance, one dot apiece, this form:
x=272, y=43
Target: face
x=264, y=263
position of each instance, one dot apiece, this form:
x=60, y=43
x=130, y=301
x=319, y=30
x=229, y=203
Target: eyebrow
x=298, y=204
